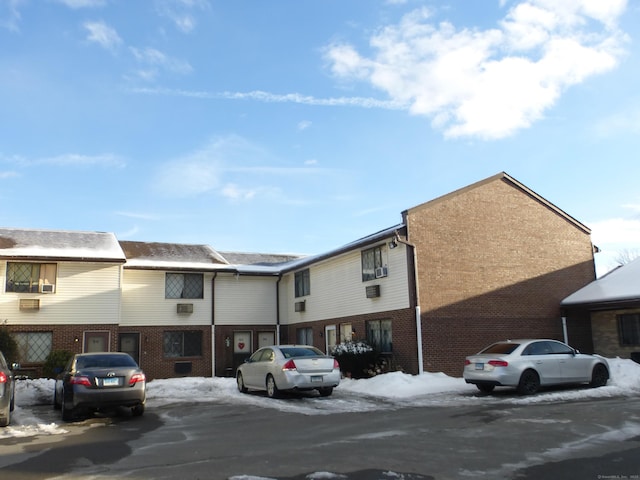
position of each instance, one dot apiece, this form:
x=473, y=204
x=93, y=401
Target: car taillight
x=135, y=378
x=467, y=362
x=80, y=380
x=290, y=365
x=3, y=377
x=498, y=363
x=336, y=365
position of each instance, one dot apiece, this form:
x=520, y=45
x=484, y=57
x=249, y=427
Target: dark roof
x=27, y=244
x=258, y=259
x=170, y=256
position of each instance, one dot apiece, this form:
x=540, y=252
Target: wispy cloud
x=10, y=14
x=103, y=35
x=488, y=83
x=76, y=4
x=136, y=215
x=67, y=160
x=156, y=60
x=267, y=97
x=304, y=125
x=8, y=174
x=183, y=13
x=621, y=123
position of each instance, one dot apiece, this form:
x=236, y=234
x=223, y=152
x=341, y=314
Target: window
x=33, y=347
x=304, y=336
x=30, y=277
x=346, y=332
x=379, y=335
x=371, y=259
x=183, y=344
x=184, y=285
x=302, y=283
x=629, y=329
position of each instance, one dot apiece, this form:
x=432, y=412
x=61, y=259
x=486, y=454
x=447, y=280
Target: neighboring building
x=487, y=262
x=611, y=306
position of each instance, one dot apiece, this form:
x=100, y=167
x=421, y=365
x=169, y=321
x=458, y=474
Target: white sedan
x=529, y=364
x=289, y=367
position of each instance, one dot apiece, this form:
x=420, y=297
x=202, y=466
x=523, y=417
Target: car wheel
x=485, y=387
x=240, y=382
x=56, y=400
x=600, y=376
x=529, y=383
x=12, y=406
x=5, y=417
x=326, y=391
x=67, y=413
x=137, y=411
x=272, y=388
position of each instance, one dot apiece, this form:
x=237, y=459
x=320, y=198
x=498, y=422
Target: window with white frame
x=30, y=277
x=33, y=347
x=371, y=259
x=304, y=336
x=184, y=285
x=302, y=283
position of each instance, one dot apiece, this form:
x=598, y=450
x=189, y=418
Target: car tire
x=66, y=413
x=138, y=410
x=240, y=382
x=12, y=405
x=325, y=392
x=485, y=387
x=529, y=382
x=56, y=403
x=5, y=418
x=599, y=376
x=272, y=388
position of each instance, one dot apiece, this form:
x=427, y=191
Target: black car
x=7, y=391
x=103, y=381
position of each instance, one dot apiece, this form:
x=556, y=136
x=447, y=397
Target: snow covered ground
x=391, y=390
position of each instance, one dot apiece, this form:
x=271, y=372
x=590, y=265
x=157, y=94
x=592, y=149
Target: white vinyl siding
x=144, y=302
x=245, y=300
x=338, y=289
x=85, y=294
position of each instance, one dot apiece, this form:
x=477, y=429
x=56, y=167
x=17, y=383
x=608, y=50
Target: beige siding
x=144, y=302
x=245, y=300
x=85, y=294
x=337, y=289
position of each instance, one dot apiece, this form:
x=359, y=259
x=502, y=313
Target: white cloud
x=71, y=159
x=103, y=35
x=488, y=83
x=75, y=4
x=10, y=14
x=303, y=125
x=8, y=174
x=156, y=59
x=616, y=232
x=181, y=12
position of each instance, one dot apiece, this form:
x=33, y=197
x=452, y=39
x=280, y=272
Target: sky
x=377, y=394
x=295, y=126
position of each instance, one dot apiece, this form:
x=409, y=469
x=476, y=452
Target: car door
x=542, y=359
x=575, y=367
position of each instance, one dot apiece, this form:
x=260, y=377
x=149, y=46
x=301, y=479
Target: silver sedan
x=289, y=367
x=529, y=364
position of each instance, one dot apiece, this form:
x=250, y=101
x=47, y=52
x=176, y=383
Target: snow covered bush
x=356, y=359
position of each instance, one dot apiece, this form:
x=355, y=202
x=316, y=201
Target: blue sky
x=299, y=126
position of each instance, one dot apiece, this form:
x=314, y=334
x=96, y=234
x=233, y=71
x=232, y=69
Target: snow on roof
x=56, y=244
x=619, y=285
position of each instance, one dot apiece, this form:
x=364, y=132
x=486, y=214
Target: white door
x=330, y=338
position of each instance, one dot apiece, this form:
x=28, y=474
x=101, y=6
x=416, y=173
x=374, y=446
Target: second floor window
x=371, y=259
x=30, y=277
x=184, y=285
x=302, y=283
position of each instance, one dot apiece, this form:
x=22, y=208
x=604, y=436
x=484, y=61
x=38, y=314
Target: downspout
x=213, y=325
x=564, y=327
x=417, y=307
x=278, y=309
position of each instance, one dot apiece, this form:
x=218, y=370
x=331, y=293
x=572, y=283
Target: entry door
x=130, y=343
x=265, y=339
x=330, y=338
x=96, y=342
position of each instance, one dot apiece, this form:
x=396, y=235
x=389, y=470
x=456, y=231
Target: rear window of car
x=105, y=361
x=290, y=352
x=501, y=348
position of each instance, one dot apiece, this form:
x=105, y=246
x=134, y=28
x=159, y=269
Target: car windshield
x=105, y=361
x=290, y=352
x=501, y=348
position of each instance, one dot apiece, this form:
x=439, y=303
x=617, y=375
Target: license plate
x=316, y=378
x=110, y=382
x=479, y=366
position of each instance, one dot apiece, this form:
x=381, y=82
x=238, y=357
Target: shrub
x=355, y=358
x=55, y=363
x=8, y=345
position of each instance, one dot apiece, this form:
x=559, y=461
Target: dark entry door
x=130, y=343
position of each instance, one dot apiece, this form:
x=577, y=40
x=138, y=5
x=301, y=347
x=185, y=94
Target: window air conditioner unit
x=29, y=304
x=372, y=291
x=47, y=288
x=300, y=306
x=381, y=272
x=185, y=308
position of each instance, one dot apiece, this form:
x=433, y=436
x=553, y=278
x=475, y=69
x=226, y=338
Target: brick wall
x=494, y=262
x=606, y=337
